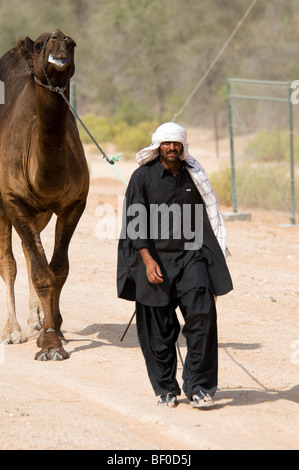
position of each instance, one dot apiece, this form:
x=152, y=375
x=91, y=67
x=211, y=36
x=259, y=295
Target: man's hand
x=153, y=270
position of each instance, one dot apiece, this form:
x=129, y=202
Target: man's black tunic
x=182, y=269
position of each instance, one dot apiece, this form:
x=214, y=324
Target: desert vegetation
x=137, y=62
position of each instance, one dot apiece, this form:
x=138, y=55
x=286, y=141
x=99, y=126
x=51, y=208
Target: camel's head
x=50, y=55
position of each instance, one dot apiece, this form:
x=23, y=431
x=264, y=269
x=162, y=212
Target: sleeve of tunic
x=135, y=212
x=129, y=264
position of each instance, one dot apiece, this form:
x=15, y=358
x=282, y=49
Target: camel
x=43, y=171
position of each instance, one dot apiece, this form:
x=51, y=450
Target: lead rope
x=111, y=161
x=60, y=91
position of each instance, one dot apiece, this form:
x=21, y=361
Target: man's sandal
x=203, y=401
x=168, y=400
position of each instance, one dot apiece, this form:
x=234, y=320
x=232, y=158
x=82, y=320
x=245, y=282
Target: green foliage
x=99, y=127
x=221, y=182
x=131, y=139
x=139, y=60
x=272, y=147
x=128, y=139
x=131, y=111
x=266, y=186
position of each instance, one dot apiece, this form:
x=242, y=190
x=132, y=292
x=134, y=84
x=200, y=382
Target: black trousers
x=158, y=329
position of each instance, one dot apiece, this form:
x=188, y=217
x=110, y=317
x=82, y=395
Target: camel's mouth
x=60, y=63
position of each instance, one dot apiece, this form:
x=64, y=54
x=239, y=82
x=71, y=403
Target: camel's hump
x=13, y=65
x=14, y=73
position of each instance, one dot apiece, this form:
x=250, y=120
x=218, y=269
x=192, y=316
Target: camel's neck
x=52, y=113
x=50, y=163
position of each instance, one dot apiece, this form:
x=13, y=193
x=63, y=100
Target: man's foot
x=201, y=401
x=168, y=400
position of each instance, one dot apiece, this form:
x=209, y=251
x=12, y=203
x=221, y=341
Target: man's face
x=170, y=151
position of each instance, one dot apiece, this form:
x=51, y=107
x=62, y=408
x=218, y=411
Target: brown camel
x=43, y=171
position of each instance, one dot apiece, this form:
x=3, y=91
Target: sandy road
x=101, y=398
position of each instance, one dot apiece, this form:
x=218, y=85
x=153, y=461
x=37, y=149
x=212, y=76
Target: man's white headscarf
x=172, y=132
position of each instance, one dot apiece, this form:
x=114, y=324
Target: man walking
x=167, y=259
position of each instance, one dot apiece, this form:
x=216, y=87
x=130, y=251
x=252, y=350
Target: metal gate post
x=73, y=96
x=292, y=177
x=231, y=141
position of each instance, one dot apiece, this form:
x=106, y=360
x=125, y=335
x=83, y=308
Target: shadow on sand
x=110, y=334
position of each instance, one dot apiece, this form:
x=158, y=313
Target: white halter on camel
x=172, y=132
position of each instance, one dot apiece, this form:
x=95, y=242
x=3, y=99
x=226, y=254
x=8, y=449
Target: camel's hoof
x=52, y=355
x=36, y=326
x=35, y=318
x=57, y=357
x=41, y=357
x=14, y=338
x=51, y=346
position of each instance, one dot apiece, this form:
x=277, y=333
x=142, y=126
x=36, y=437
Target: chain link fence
x=263, y=121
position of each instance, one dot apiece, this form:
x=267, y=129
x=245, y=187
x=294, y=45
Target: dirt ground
x=100, y=398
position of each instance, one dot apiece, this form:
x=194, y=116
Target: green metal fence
x=264, y=149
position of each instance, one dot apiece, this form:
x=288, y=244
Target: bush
x=131, y=139
x=221, y=182
x=128, y=139
x=131, y=112
x=272, y=147
x=99, y=127
x=266, y=186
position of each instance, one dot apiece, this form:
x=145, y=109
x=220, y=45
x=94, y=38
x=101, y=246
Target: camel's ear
x=25, y=47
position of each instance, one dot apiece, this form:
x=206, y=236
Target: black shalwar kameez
x=191, y=279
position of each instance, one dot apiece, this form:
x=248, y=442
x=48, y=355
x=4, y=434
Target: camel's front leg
x=44, y=283
x=36, y=314
x=12, y=332
x=65, y=227
x=43, y=279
